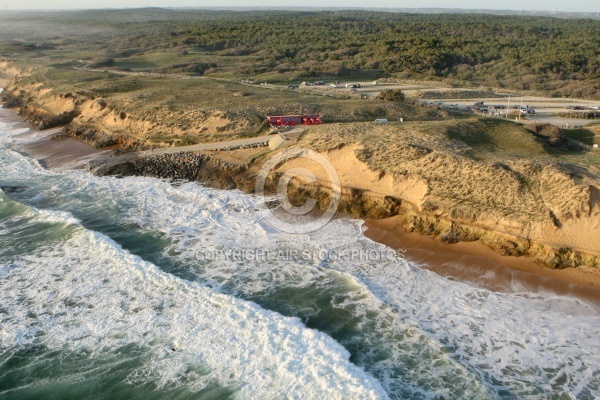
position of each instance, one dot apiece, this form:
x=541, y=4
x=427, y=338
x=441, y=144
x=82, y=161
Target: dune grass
x=483, y=140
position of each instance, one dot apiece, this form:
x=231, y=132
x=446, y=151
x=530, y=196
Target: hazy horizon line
x=412, y=10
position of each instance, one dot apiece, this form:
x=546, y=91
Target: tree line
x=559, y=56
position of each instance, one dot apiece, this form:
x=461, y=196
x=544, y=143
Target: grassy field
x=182, y=105
x=482, y=140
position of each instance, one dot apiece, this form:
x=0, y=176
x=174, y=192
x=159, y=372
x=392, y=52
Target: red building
x=280, y=120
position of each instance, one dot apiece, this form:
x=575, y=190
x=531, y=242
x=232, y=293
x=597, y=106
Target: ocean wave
x=60, y=217
x=88, y=294
x=499, y=338
x=421, y=335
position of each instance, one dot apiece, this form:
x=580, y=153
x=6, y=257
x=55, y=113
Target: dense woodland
x=558, y=56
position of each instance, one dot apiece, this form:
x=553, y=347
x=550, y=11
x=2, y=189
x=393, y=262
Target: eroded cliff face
x=86, y=118
x=548, y=211
x=109, y=121
x=558, y=234
x=8, y=71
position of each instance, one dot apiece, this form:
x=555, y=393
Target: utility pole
x=521, y=109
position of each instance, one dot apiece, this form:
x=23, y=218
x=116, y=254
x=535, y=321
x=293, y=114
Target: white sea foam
x=528, y=346
x=88, y=294
x=10, y=130
x=60, y=217
x=14, y=130
x=18, y=167
x=197, y=217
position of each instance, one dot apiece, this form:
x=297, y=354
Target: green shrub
x=392, y=95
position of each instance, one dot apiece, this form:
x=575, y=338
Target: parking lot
x=546, y=109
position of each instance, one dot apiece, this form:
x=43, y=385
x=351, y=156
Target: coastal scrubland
x=552, y=55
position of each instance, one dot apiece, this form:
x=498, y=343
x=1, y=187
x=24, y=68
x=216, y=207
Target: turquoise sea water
x=140, y=288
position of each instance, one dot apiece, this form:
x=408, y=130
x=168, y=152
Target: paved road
x=213, y=145
x=562, y=122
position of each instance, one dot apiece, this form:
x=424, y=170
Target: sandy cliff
x=552, y=218
x=544, y=209
x=108, y=121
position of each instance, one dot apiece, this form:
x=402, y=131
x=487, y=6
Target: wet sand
x=477, y=264
x=64, y=153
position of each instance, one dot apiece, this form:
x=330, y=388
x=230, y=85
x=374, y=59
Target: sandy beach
x=475, y=263
x=63, y=153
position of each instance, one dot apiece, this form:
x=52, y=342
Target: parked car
x=319, y=83
x=530, y=111
x=593, y=108
x=292, y=86
x=333, y=85
x=575, y=107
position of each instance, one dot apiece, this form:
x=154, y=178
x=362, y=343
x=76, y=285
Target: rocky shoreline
x=204, y=168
